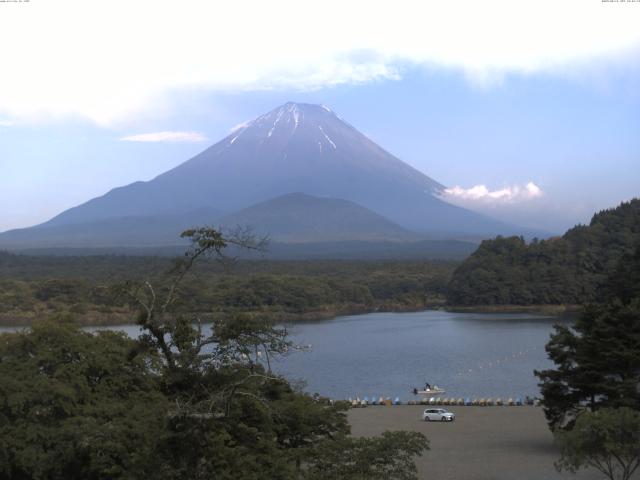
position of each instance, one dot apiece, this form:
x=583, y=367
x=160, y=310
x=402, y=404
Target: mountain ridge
x=298, y=217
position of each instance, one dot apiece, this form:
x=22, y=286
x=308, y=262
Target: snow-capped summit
x=296, y=147
x=283, y=123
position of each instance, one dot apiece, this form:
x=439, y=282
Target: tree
x=233, y=417
x=185, y=400
x=388, y=457
x=564, y=270
x=608, y=440
x=598, y=358
x=73, y=406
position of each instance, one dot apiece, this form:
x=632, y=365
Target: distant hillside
x=134, y=232
x=298, y=217
x=299, y=226
x=295, y=217
x=566, y=270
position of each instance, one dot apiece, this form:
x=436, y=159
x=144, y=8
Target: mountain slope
x=298, y=217
x=294, y=148
x=293, y=217
x=130, y=231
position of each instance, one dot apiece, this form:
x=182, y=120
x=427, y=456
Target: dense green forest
x=571, y=269
x=179, y=402
x=33, y=287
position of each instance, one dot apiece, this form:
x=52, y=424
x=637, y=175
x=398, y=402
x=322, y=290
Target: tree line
x=287, y=290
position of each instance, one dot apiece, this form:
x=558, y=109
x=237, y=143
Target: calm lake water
x=388, y=354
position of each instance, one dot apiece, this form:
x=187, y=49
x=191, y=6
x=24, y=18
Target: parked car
x=437, y=414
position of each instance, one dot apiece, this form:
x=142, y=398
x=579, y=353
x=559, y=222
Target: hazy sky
x=529, y=111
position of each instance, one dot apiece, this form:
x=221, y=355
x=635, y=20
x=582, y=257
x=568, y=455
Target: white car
x=437, y=414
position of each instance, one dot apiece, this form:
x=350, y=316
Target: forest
x=569, y=270
x=34, y=287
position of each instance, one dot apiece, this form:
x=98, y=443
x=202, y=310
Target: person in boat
x=415, y=391
x=427, y=386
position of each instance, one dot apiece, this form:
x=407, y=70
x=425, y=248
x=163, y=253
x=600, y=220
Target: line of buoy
x=497, y=362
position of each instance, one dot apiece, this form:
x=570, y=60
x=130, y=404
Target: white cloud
x=166, y=137
x=481, y=194
x=6, y=123
x=114, y=61
x=239, y=126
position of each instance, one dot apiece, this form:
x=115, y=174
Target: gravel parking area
x=483, y=443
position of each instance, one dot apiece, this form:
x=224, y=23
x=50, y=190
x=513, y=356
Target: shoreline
x=117, y=318
x=543, y=309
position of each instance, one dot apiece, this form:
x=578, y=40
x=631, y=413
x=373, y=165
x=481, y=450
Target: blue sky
x=564, y=116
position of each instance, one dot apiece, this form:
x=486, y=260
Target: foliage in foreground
x=607, y=440
x=389, y=456
x=182, y=401
x=592, y=397
x=598, y=358
x=73, y=406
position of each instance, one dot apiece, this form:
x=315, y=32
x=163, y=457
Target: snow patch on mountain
x=275, y=124
x=327, y=137
x=296, y=118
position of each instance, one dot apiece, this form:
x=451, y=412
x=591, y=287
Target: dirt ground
x=483, y=443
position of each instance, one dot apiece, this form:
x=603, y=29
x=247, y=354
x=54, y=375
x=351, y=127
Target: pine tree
x=598, y=358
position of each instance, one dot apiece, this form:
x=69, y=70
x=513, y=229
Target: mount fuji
x=296, y=148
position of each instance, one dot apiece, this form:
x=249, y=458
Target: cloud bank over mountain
x=482, y=194
x=95, y=63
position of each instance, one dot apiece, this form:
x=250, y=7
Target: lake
x=388, y=354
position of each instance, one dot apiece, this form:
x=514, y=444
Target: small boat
x=435, y=390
